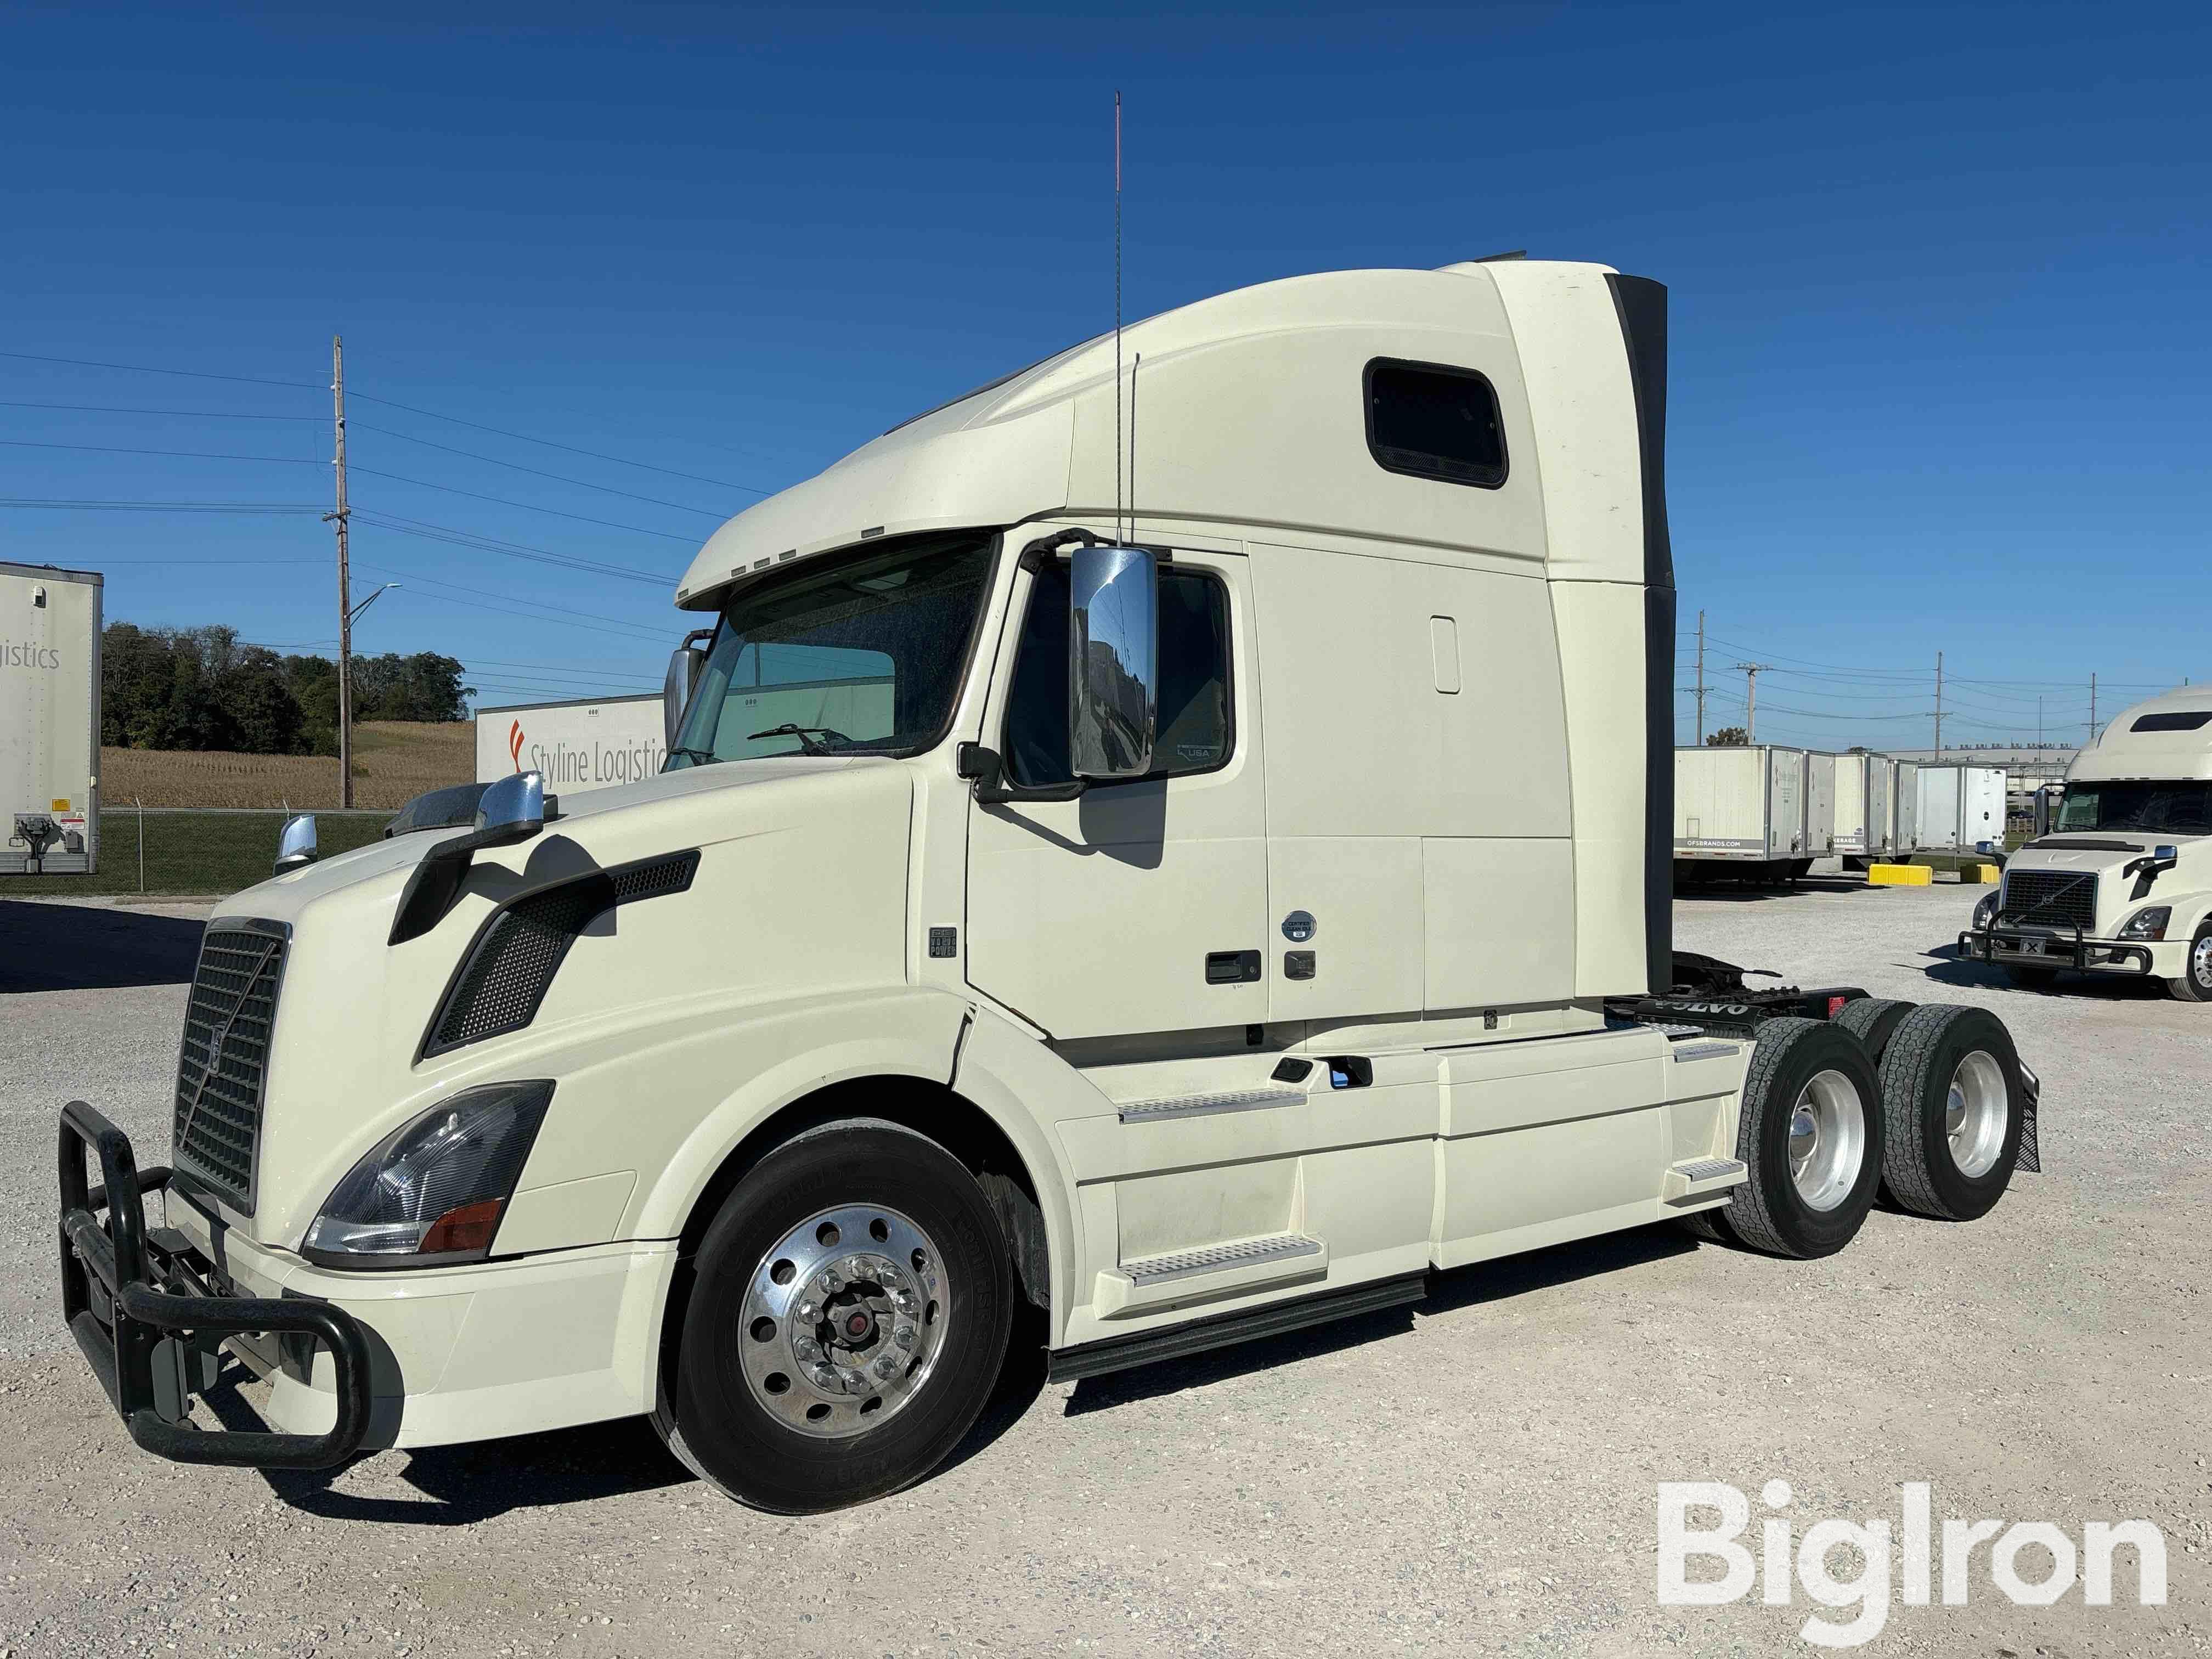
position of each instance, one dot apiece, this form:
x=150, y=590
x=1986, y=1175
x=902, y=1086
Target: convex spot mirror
x=295, y=844
x=512, y=810
x=1113, y=661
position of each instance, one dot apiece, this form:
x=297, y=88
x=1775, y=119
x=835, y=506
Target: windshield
x=860, y=654
x=2182, y=808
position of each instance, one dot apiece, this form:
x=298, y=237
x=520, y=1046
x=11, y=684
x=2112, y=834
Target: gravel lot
x=1474, y=1476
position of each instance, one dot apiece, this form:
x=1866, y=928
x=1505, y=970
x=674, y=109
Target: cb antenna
x=1119, y=535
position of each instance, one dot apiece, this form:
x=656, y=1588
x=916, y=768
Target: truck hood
x=775, y=846
x=284, y=897
x=2107, y=854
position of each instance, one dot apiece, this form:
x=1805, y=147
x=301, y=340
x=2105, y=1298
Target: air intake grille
x=512, y=964
x=2049, y=898
x=223, y=1063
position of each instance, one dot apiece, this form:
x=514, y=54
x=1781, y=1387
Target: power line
x=192, y=414
x=142, y=368
x=597, y=624
x=184, y=455
x=558, y=478
x=160, y=507
x=437, y=532
x=531, y=506
x=573, y=449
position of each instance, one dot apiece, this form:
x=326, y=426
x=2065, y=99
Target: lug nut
x=830, y=1284
x=806, y=1348
x=886, y=1368
x=903, y=1336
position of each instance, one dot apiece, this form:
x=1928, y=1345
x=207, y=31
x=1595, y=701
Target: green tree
x=1729, y=737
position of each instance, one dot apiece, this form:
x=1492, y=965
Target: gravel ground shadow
x=1948, y=967
x=465, y=1484
x=82, y=947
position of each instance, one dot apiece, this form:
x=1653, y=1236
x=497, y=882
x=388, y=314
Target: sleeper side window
x=1195, y=733
x=1431, y=421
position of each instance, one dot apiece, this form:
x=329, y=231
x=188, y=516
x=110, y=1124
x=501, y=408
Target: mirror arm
x=988, y=769
x=435, y=885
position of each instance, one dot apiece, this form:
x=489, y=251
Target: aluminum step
x=1242, y=1100
x=1215, y=1258
x=1233, y=1268
x=1695, y=1180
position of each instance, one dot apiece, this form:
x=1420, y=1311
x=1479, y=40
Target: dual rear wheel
x=1926, y=1101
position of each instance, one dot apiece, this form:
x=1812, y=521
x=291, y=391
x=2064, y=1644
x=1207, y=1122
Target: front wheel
x=2195, y=984
x=847, y=1324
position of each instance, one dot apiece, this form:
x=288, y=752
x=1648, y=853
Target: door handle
x=1232, y=967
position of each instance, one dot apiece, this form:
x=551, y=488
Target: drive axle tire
x=1810, y=1130
x=1871, y=1020
x=1954, y=1102
x=2195, y=984
x=848, y=1321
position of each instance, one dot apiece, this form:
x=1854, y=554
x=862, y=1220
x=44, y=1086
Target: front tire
x=1951, y=1095
x=1810, y=1130
x=2195, y=984
x=848, y=1321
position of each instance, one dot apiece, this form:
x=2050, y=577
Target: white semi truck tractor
x=2121, y=884
x=1215, y=907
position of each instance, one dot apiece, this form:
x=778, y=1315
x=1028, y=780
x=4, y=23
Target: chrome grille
x=2049, y=898
x=223, y=1063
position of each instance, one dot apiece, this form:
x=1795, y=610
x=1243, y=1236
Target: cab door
x=1138, y=906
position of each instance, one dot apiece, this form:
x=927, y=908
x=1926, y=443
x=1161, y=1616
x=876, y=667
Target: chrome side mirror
x=296, y=845
x=685, y=663
x=1113, y=661
x=513, y=809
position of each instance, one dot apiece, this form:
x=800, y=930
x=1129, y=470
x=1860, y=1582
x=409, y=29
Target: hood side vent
x=510, y=964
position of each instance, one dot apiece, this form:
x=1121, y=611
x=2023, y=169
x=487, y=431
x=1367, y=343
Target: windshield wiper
x=809, y=743
x=701, y=756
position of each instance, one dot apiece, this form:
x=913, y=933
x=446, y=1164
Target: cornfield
x=393, y=762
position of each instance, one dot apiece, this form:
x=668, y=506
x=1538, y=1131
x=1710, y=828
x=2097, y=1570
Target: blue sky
x=1941, y=341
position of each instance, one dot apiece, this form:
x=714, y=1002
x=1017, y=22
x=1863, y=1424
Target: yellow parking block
x=1978, y=874
x=1899, y=875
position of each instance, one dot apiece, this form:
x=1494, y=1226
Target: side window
x=1194, y=734
x=1431, y=421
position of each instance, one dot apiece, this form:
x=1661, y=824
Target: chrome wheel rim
x=1827, y=1140
x=844, y=1321
x=2200, y=961
x=1976, y=1113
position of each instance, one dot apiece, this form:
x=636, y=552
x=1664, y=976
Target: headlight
x=1985, y=912
x=2149, y=922
x=432, y=1191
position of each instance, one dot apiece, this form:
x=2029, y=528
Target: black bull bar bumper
x=150, y=1320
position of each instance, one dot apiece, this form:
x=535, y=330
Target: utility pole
x=345, y=594
x=2093, y=708
x=1699, y=740
x=1751, y=671
x=1939, y=705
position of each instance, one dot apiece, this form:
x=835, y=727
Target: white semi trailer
x=576, y=744
x=1747, y=813
x=1961, y=808
x=49, y=719
x=1224, y=919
